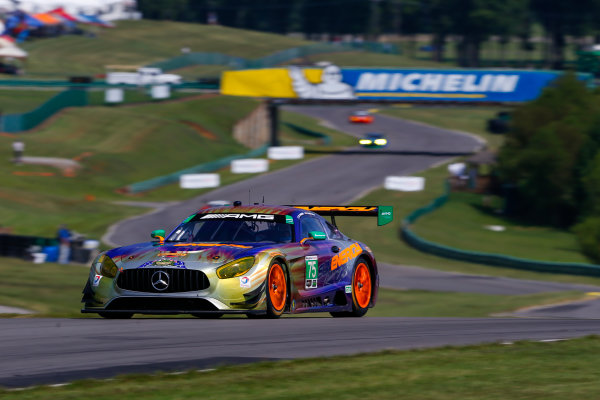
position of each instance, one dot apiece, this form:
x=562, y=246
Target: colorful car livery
x=261, y=261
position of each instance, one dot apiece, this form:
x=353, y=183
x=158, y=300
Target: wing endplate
x=384, y=214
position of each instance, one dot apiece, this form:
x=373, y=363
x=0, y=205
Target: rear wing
x=384, y=214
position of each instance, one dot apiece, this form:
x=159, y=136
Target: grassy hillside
x=115, y=146
x=143, y=42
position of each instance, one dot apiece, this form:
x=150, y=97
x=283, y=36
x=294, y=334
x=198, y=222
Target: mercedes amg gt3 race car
x=253, y=260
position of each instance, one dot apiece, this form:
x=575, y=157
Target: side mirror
x=158, y=234
x=317, y=235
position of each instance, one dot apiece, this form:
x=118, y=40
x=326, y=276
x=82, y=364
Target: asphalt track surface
x=333, y=179
x=38, y=351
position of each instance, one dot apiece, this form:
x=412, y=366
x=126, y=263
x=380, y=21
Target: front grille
x=160, y=304
x=179, y=280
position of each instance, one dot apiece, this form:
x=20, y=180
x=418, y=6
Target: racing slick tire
x=362, y=291
x=276, y=289
x=208, y=315
x=119, y=315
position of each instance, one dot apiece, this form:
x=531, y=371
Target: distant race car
x=373, y=140
x=253, y=260
x=361, y=117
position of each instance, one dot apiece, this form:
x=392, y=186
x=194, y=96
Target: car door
x=317, y=256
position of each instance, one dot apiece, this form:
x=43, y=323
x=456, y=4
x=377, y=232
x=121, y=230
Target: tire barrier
x=13, y=123
x=201, y=168
x=498, y=260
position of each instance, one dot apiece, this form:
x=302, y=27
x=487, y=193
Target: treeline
x=550, y=162
x=468, y=22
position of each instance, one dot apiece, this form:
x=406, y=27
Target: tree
x=549, y=150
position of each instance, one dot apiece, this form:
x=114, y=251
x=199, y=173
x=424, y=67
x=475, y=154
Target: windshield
x=247, y=228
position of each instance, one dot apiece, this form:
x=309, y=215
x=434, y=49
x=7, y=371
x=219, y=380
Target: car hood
x=182, y=255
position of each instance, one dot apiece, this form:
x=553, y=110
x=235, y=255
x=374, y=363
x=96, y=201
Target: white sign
x=249, y=165
x=160, y=92
x=198, y=181
x=404, y=183
x=457, y=169
x=114, y=95
x=285, y=153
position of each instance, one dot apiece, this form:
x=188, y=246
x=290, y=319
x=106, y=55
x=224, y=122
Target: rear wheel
x=362, y=291
x=117, y=315
x=276, y=290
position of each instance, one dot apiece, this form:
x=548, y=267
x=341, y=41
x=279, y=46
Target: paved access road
x=333, y=179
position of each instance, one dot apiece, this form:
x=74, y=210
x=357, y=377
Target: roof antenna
x=263, y=200
x=249, y=196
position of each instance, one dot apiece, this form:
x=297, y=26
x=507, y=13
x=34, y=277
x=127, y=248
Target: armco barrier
x=273, y=59
x=22, y=122
x=326, y=138
x=206, y=167
x=485, y=258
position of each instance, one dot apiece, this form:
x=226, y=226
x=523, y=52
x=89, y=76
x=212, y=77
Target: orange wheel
x=361, y=284
x=276, y=290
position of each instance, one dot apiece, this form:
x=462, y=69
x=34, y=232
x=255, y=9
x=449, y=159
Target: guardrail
x=14, y=123
x=270, y=60
x=499, y=260
x=174, y=177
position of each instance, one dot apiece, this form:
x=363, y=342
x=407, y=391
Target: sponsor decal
x=329, y=87
x=163, y=263
x=348, y=254
x=211, y=245
x=172, y=253
x=289, y=219
x=356, y=209
x=312, y=272
x=348, y=288
x=262, y=217
x=245, y=282
x=96, y=280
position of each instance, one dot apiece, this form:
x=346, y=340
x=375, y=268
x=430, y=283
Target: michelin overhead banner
x=333, y=82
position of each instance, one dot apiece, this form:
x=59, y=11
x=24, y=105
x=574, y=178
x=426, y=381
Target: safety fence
x=326, y=139
x=280, y=57
x=99, y=84
x=22, y=122
x=201, y=168
x=484, y=258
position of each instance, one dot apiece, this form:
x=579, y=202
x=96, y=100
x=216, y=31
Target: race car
x=361, y=117
x=258, y=260
x=373, y=140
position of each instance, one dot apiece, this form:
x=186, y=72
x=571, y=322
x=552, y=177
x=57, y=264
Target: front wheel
x=276, y=290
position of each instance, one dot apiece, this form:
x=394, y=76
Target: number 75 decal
x=312, y=272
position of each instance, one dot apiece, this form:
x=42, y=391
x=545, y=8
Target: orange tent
x=47, y=19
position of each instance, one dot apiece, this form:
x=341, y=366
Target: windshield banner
x=336, y=83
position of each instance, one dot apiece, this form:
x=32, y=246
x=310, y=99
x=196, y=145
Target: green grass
x=386, y=243
x=119, y=145
x=523, y=370
x=465, y=212
x=291, y=137
x=54, y=290
x=464, y=118
x=144, y=42
x=20, y=101
x=368, y=59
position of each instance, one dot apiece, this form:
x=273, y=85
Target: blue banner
x=453, y=85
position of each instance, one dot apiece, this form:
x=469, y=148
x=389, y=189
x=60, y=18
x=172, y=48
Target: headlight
x=105, y=266
x=364, y=141
x=380, y=142
x=235, y=268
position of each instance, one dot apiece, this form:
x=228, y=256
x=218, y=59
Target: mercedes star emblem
x=160, y=280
